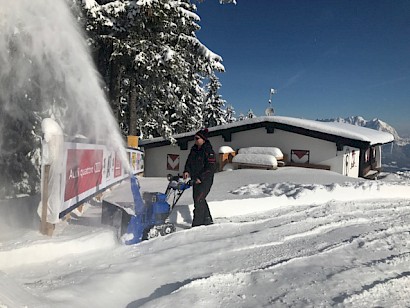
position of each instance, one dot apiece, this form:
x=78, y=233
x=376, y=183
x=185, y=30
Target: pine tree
x=214, y=114
x=152, y=45
x=230, y=114
x=250, y=114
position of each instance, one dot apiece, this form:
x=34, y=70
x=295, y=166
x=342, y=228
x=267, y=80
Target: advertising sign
x=91, y=168
x=136, y=160
x=83, y=171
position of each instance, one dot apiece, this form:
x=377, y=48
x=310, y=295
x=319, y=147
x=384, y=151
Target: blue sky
x=325, y=58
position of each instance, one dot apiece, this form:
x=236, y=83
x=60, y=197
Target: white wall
x=378, y=156
x=156, y=160
x=351, y=162
x=345, y=162
x=321, y=151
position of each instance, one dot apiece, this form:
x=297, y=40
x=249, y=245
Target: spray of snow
x=42, y=51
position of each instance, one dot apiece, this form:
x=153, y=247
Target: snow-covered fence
x=74, y=172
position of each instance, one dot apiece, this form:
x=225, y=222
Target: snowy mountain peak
x=376, y=124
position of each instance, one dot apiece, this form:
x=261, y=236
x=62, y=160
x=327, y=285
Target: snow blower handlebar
x=176, y=182
x=178, y=186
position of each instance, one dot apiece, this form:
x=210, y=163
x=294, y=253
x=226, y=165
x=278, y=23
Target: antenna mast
x=270, y=111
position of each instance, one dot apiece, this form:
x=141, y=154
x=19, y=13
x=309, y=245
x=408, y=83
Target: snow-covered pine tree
x=250, y=114
x=152, y=45
x=213, y=113
x=108, y=25
x=230, y=114
x=20, y=110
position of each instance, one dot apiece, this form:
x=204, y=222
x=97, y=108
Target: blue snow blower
x=148, y=216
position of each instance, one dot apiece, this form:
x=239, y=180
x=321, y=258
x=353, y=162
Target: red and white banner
x=83, y=171
x=91, y=168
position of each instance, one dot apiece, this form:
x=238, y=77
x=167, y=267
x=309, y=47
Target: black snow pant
x=202, y=215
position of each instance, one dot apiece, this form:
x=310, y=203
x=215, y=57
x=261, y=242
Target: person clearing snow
x=200, y=167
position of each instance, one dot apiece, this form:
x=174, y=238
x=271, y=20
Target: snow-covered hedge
x=276, y=152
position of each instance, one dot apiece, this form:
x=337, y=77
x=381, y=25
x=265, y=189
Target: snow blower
x=148, y=216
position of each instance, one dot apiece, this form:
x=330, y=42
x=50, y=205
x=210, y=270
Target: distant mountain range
x=376, y=124
x=397, y=155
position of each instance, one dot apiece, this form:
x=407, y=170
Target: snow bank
x=280, y=195
x=60, y=247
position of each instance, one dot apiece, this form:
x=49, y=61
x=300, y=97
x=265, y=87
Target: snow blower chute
x=148, y=216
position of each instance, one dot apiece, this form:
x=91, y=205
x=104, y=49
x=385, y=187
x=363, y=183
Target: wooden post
x=225, y=158
x=45, y=227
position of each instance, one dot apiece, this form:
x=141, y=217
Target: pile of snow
x=228, y=167
x=276, y=152
x=225, y=150
x=259, y=156
x=256, y=159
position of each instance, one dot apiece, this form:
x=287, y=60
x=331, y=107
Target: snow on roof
x=339, y=129
x=344, y=130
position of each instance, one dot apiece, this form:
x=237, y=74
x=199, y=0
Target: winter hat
x=203, y=133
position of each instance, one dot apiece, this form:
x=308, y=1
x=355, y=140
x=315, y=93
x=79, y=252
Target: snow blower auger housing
x=148, y=216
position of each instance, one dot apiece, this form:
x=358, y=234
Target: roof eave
x=270, y=127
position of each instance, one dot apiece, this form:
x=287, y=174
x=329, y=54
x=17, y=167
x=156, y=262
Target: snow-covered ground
x=291, y=237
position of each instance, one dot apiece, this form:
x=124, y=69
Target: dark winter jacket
x=201, y=163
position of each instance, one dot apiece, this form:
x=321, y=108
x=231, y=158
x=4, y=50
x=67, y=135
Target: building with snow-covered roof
x=344, y=148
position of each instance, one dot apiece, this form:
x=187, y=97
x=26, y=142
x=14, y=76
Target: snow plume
x=46, y=69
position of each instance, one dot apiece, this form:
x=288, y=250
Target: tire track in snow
x=281, y=298
x=308, y=221
x=357, y=226
x=391, y=262
x=359, y=240
x=370, y=291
